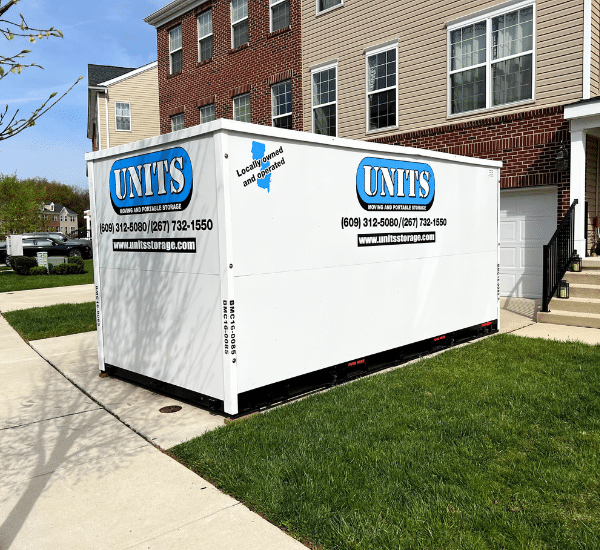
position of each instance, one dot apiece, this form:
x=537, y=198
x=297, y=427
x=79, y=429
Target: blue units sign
x=155, y=182
x=386, y=184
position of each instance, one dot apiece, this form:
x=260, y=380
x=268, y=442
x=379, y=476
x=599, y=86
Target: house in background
x=58, y=218
x=122, y=104
x=237, y=59
x=485, y=79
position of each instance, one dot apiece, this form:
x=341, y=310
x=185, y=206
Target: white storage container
x=234, y=262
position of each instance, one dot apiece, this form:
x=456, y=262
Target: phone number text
x=393, y=222
x=157, y=226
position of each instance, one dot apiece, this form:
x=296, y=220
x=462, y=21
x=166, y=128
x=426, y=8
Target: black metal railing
x=558, y=255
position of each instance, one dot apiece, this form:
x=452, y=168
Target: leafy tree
x=20, y=203
x=11, y=125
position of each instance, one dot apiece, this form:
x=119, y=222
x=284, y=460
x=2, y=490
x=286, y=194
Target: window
x=491, y=61
x=123, y=115
x=241, y=108
x=281, y=104
x=382, y=75
x=175, y=51
x=205, y=38
x=177, y=122
x=207, y=113
x=323, y=5
x=324, y=100
x=239, y=22
x=280, y=14
x=73, y=219
x=55, y=218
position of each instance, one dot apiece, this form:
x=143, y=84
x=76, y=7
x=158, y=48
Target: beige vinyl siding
x=595, y=68
x=141, y=92
x=345, y=33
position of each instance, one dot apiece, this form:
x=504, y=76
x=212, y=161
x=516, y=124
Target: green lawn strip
x=494, y=445
x=58, y=320
x=10, y=281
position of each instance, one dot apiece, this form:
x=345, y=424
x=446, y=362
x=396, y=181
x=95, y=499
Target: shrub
x=76, y=264
x=38, y=270
x=61, y=269
x=23, y=264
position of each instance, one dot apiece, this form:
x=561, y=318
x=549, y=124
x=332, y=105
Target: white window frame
x=272, y=4
x=291, y=113
x=487, y=15
x=327, y=10
x=129, y=117
x=238, y=97
x=318, y=69
x=204, y=107
x=233, y=23
x=369, y=52
x=204, y=37
x=171, y=51
x=173, y=117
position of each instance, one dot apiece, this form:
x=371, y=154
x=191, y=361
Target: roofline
x=130, y=74
x=171, y=11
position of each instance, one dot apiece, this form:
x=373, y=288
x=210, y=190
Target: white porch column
x=578, y=187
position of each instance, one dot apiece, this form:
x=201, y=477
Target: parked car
x=3, y=252
x=57, y=236
x=53, y=246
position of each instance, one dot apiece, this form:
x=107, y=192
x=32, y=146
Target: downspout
x=107, y=132
x=587, y=48
x=98, y=125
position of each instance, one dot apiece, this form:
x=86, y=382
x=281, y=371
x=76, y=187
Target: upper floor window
x=175, y=50
x=205, y=36
x=123, y=115
x=239, y=22
x=280, y=14
x=281, y=104
x=177, y=122
x=207, y=113
x=324, y=100
x=241, y=108
x=323, y=5
x=382, y=77
x=491, y=61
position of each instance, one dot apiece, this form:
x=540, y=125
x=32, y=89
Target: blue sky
x=109, y=32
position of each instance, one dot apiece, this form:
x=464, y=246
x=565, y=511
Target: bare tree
x=12, y=124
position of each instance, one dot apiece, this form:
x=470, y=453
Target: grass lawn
x=58, y=320
x=10, y=281
x=494, y=445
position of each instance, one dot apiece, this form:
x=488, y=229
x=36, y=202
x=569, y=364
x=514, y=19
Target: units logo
x=156, y=182
x=386, y=184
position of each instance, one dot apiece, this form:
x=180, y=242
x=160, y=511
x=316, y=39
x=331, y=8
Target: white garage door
x=527, y=222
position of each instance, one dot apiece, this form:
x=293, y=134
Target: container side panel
x=341, y=253
x=158, y=256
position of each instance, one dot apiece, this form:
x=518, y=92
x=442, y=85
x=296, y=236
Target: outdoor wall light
x=562, y=158
x=563, y=289
x=576, y=263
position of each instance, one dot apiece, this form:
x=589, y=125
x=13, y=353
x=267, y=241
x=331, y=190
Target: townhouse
x=238, y=59
x=122, y=104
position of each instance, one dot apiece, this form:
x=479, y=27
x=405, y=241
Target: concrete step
x=570, y=318
x=588, y=277
x=581, y=305
x=584, y=291
x=591, y=263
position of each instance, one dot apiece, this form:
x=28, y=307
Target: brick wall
x=526, y=142
x=266, y=59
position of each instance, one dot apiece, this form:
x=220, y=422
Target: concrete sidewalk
x=40, y=297
x=75, y=477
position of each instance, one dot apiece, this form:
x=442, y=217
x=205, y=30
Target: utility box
x=236, y=264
